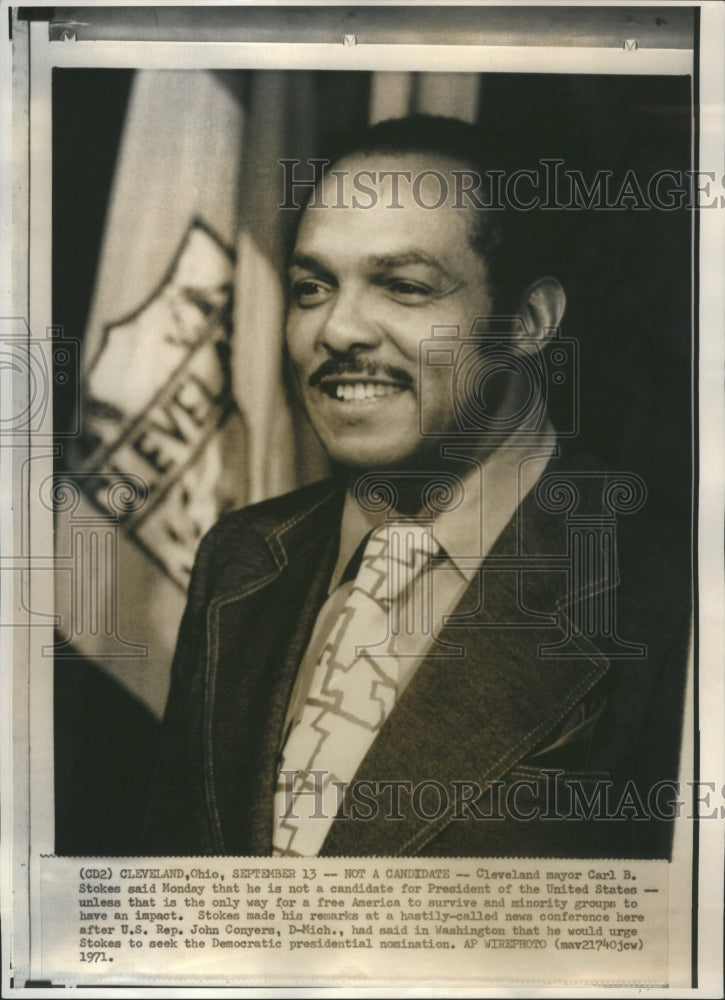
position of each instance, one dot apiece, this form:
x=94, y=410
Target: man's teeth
x=363, y=390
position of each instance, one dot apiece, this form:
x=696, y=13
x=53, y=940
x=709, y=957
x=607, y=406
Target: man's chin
x=385, y=460
x=374, y=462
x=416, y=463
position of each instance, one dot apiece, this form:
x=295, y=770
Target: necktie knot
x=396, y=554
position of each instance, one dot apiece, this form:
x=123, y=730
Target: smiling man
x=369, y=281
x=442, y=649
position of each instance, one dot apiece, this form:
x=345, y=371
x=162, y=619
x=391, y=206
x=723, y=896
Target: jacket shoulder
x=273, y=513
x=238, y=545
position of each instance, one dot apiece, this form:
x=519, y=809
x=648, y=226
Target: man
x=451, y=647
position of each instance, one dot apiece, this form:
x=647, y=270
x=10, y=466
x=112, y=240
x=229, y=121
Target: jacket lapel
x=257, y=634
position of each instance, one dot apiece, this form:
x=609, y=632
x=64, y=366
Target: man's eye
x=409, y=291
x=308, y=292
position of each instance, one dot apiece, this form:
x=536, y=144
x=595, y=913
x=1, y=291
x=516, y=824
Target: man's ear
x=542, y=307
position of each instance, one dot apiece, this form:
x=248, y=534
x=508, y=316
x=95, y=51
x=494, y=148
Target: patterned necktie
x=354, y=685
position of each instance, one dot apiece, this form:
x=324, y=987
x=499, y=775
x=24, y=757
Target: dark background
x=627, y=278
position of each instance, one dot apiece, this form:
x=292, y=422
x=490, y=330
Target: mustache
x=339, y=367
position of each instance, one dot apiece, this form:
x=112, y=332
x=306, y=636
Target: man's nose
x=348, y=325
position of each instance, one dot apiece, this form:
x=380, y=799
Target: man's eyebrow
x=308, y=263
x=380, y=262
x=405, y=258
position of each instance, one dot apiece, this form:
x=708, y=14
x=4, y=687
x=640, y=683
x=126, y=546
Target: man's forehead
x=390, y=202
x=403, y=160
x=406, y=172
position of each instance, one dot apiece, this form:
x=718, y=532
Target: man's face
x=367, y=285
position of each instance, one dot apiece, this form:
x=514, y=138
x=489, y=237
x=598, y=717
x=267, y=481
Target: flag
x=165, y=444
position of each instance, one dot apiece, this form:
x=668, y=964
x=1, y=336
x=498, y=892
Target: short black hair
x=507, y=242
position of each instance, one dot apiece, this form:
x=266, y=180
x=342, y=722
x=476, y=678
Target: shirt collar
x=492, y=491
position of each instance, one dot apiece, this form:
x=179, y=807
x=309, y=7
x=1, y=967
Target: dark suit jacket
x=554, y=679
